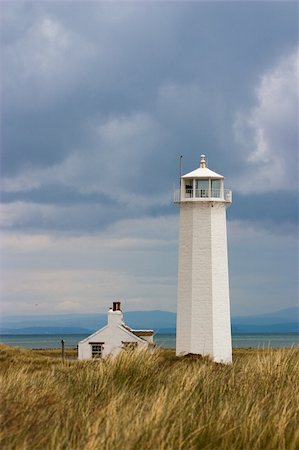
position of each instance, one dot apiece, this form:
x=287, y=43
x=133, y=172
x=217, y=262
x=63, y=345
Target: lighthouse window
x=202, y=188
x=189, y=188
x=215, y=188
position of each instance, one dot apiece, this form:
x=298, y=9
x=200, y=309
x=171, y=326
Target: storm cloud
x=99, y=100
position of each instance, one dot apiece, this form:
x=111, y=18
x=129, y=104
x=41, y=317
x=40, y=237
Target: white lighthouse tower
x=203, y=310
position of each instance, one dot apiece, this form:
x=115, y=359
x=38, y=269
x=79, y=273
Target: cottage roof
x=138, y=333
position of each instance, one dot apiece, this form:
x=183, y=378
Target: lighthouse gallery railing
x=223, y=194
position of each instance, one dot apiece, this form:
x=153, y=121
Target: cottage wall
x=112, y=335
x=149, y=339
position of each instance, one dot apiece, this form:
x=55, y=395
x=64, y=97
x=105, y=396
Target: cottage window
x=129, y=345
x=97, y=350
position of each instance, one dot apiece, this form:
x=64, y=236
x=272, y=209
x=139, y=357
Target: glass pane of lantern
x=202, y=188
x=189, y=188
x=215, y=188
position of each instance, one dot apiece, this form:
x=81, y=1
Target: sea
x=252, y=340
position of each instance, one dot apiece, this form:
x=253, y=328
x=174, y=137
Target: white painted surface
x=194, y=194
x=112, y=336
x=202, y=172
x=203, y=311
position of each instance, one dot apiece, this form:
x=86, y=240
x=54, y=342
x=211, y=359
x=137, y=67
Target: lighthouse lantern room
x=203, y=310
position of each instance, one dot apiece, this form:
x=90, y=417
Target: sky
x=98, y=102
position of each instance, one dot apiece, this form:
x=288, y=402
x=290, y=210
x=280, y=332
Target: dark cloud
x=98, y=102
x=275, y=207
x=69, y=65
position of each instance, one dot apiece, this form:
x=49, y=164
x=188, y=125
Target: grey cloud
x=35, y=217
x=132, y=52
x=263, y=269
x=275, y=210
x=268, y=132
x=98, y=102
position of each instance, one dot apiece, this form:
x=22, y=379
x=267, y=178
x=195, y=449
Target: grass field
x=149, y=401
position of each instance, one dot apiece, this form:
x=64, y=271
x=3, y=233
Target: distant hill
x=283, y=321
x=273, y=328
x=282, y=316
x=85, y=323
x=44, y=330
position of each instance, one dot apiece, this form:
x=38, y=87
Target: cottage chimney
x=115, y=315
x=116, y=306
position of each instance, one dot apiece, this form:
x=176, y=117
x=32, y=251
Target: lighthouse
x=203, y=309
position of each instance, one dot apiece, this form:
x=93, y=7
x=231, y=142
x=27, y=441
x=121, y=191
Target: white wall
x=222, y=346
x=184, y=306
x=113, y=334
x=203, y=319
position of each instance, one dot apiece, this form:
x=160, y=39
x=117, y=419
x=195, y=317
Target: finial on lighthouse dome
x=203, y=163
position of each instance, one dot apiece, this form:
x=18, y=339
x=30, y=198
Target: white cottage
x=114, y=337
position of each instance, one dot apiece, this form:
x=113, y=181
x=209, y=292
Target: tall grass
x=142, y=400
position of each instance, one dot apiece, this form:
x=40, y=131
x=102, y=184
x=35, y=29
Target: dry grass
x=150, y=401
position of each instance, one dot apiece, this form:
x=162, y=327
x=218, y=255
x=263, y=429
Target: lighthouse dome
x=203, y=171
